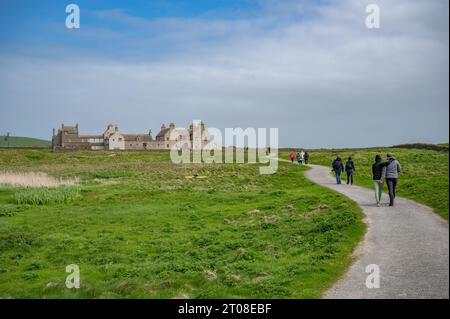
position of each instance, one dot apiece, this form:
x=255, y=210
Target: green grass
x=43, y=196
x=424, y=177
x=141, y=229
x=18, y=141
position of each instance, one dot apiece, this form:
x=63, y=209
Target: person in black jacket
x=306, y=157
x=350, y=170
x=378, y=173
x=338, y=167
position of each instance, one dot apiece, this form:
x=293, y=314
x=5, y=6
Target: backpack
x=337, y=165
x=349, y=166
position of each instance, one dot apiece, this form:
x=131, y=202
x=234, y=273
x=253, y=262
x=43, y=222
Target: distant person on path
x=306, y=157
x=350, y=170
x=338, y=167
x=300, y=158
x=292, y=156
x=378, y=174
x=392, y=169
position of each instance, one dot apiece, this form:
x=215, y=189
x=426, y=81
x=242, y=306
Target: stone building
x=68, y=138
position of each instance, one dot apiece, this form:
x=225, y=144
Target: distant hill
x=18, y=141
x=434, y=147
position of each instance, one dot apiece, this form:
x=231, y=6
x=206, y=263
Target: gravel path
x=408, y=243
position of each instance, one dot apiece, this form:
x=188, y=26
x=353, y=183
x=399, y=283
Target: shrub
x=10, y=210
x=43, y=196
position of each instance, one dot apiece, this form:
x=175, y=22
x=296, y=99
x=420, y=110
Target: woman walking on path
x=392, y=169
x=300, y=158
x=350, y=170
x=378, y=174
x=338, y=167
x=292, y=156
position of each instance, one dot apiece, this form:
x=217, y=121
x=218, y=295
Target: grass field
x=139, y=226
x=424, y=177
x=17, y=141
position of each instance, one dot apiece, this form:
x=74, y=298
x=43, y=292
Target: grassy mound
x=18, y=141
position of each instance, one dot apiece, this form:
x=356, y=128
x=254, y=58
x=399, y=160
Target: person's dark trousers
x=392, y=185
x=349, y=177
x=338, y=177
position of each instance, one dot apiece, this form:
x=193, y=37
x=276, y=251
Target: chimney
x=54, y=131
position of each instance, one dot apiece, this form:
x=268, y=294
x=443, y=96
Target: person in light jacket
x=392, y=169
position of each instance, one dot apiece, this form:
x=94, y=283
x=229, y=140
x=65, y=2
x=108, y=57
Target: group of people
x=387, y=170
x=349, y=168
x=302, y=157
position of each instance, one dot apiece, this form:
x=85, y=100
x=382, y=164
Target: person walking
x=350, y=170
x=300, y=158
x=338, y=167
x=392, y=169
x=306, y=157
x=378, y=174
x=292, y=156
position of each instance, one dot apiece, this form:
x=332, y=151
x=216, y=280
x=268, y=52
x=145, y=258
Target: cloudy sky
x=310, y=68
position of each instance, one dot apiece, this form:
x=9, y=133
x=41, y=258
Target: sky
x=312, y=69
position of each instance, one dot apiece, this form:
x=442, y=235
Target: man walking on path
x=306, y=157
x=350, y=170
x=392, y=169
x=378, y=174
x=338, y=167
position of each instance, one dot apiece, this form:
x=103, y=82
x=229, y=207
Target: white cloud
x=322, y=77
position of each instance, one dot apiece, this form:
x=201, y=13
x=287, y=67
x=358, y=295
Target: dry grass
x=34, y=180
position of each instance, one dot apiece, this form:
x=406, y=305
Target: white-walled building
x=68, y=138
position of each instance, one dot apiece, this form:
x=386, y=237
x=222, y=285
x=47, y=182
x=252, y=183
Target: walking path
x=408, y=243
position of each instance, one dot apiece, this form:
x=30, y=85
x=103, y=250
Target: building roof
x=163, y=132
x=90, y=136
x=137, y=137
